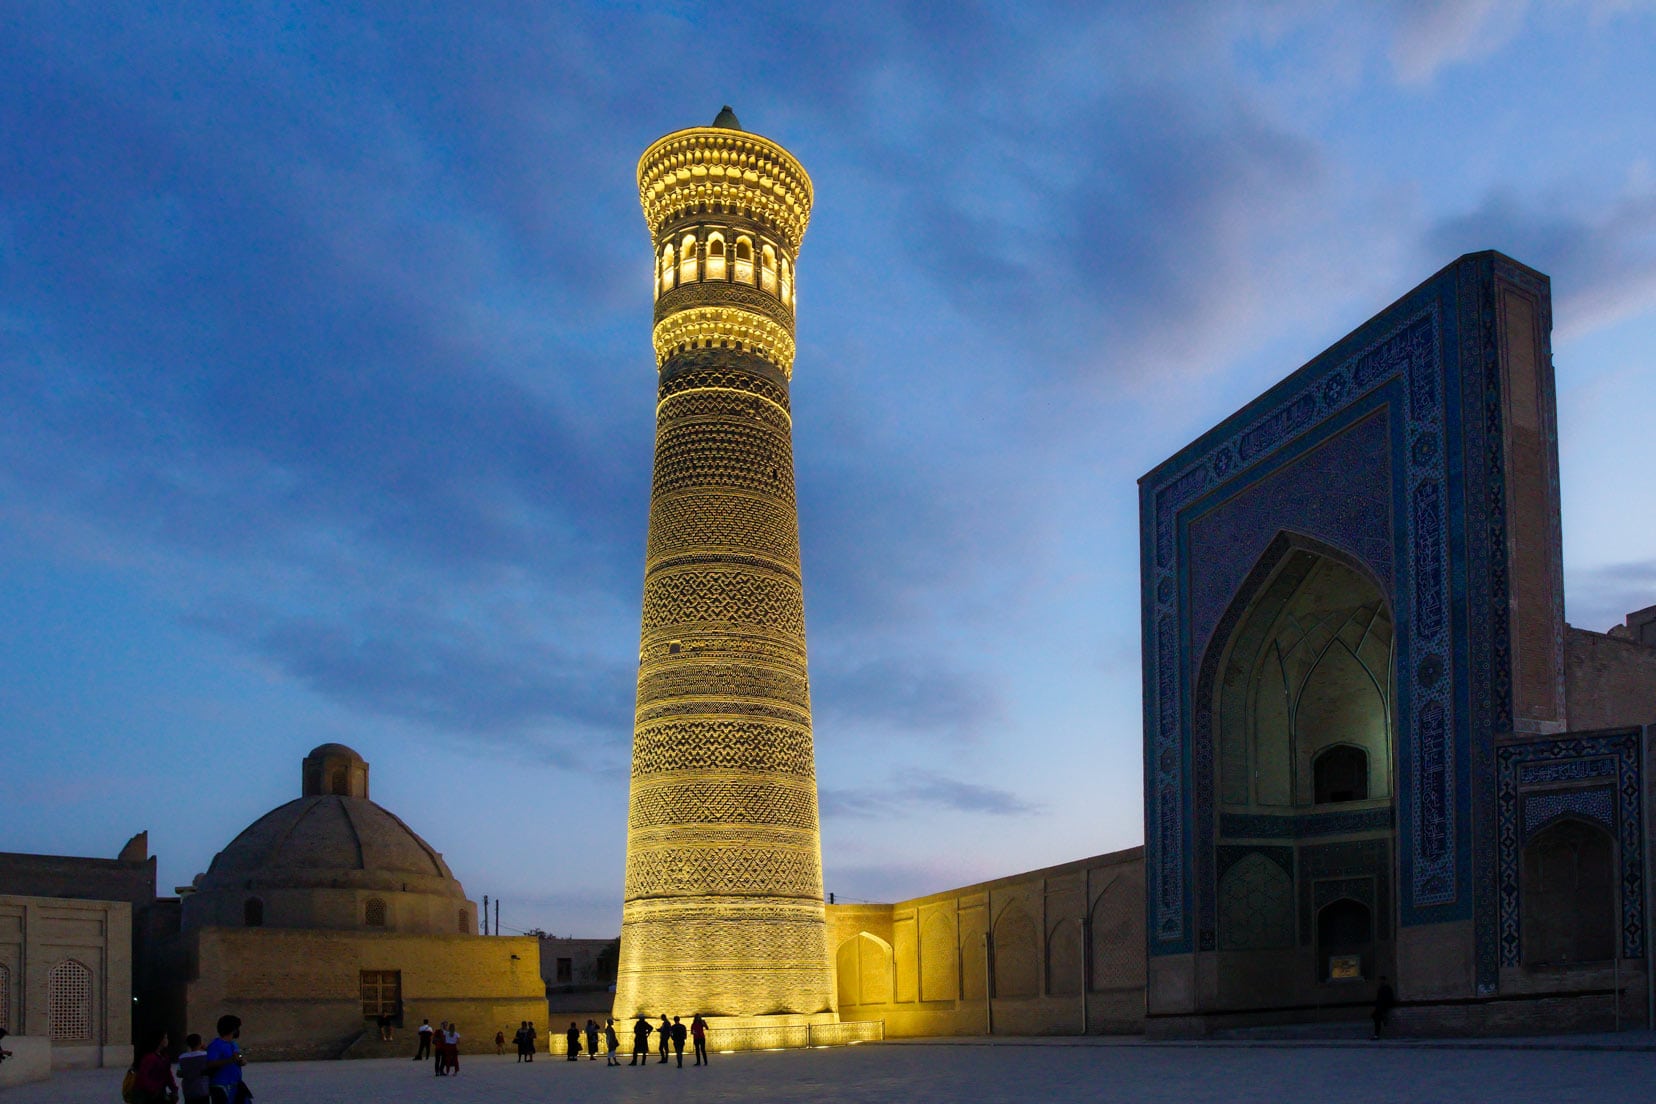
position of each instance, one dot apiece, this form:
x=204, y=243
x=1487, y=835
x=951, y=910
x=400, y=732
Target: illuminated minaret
x=723, y=911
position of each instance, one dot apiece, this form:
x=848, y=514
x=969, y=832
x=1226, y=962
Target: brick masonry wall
x=39, y=933
x=1612, y=682
x=923, y=968
x=298, y=992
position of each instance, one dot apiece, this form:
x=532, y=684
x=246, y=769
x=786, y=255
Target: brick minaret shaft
x=723, y=912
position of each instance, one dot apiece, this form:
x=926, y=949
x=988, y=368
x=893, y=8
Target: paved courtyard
x=924, y=1073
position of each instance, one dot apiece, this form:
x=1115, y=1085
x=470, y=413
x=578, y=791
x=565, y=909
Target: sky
x=327, y=394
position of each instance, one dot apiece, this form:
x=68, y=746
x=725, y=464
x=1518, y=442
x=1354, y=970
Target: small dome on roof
x=334, y=769
x=726, y=118
x=320, y=750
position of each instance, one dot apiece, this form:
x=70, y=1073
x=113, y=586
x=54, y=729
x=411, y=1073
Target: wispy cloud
x=1431, y=34
x=1602, y=260
x=920, y=790
x=916, y=696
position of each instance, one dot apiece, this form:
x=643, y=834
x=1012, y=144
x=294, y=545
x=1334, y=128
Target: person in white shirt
x=451, y=1043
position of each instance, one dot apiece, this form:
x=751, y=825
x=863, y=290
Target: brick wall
x=299, y=992
x=1067, y=947
x=1612, y=681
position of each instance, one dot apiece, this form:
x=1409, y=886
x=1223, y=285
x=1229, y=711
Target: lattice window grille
x=373, y=913
x=381, y=993
x=69, y=1001
x=5, y=997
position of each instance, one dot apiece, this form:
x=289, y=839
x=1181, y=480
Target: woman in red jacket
x=155, y=1084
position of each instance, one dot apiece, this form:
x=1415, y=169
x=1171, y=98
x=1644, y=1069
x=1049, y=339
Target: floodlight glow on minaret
x=723, y=910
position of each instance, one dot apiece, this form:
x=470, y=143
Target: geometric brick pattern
x=722, y=377
x=710, y=800
x=695, y=746
x=738, y=326
x=767, y=957
x=694, y=598
x=662, y=686
x=725, y=870
x=723, y=910
x=706, y=292
x=732, y=453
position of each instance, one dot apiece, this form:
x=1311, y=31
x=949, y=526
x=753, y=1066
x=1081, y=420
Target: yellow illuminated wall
x=723, y=912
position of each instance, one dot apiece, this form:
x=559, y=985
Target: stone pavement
x=967, y=1071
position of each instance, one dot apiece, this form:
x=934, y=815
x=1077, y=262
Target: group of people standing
x=524, y=1040
x=205, y=1075
x=668, y=1035
x=443, y=1041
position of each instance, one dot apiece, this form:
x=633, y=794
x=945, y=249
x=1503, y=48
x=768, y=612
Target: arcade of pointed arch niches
x=1035, y=953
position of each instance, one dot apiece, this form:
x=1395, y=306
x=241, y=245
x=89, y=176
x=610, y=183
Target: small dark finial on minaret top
x=727, y=119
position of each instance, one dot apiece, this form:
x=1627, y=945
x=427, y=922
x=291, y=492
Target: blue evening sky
x=326, y=389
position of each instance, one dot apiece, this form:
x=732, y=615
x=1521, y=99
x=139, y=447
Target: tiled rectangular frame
x=1431, y=359
x=1551, y=772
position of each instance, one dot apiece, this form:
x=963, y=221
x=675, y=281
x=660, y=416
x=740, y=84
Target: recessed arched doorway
x=1300, y=687
x=1345, y=941
x=1570, y=905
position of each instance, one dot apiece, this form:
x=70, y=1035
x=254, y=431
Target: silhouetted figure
x=520, y=1040
x=155, y=1079
x=500, y=1042
x=192, y=1072
x=612, y=1041
x=665, y=1031
x=1384, y=1000
x=678, y=1033
x=573, y=1050
x=439, y=1044
x=698, y=1032
x=592, y=1039
x=424, y=1049
x=641, y=1041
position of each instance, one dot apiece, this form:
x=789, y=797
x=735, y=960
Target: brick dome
x=330, y=859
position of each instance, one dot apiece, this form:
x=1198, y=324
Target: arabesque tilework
x=1594, y=776
x=1388, y=449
